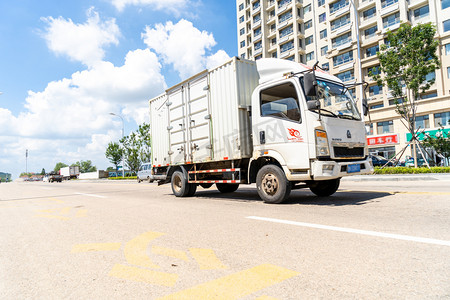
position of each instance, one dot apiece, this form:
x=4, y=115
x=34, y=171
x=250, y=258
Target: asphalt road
x=124, y=240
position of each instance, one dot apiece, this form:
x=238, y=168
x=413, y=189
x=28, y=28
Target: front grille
x=348, y=152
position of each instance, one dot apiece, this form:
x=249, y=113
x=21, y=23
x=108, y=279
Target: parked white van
x=145, y=173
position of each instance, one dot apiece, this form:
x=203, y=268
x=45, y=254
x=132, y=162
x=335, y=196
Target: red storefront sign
x=382, y=140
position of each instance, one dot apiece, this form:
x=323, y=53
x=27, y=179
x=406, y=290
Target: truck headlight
x=322, y=148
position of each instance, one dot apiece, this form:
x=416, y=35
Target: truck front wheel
x=272, y=184
x=227, y=187
x=180, y=185
x=325, y=188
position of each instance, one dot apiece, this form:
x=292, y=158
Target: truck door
x=177, y=126
x=199, y=141
x=279, y=124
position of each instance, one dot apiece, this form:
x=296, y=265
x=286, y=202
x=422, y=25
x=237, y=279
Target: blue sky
x=64, y=65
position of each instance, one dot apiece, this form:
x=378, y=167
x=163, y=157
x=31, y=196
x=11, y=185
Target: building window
x=285, y=17
x=395, y=101
x=326, y=66
x=241, y=6
x=423, y=121
x=385, y=3
x=273, y=27
x=376, y=106
x=391, y=20
x=323, y=50
x=369, y=129
x=375, y=70
x=291, y=58
x=257, y=32
x=241, y=19
x=273, y=41
x=446, y=25
x=274, y=55
x=320, y=2
x=286, y=31
x=308, y=24
x=448, y=72
x=257, y=18
x=372, y=51
x=256, y=5
x=307, y=9
x=322, y=17
x=309, y=40
x=428, y=96
x=447, y=48
x=342, y=21
x=258, y=57
x=346, y=76
x=287, y=46
x=385, y=127
x=338, y=5
x=258, y=45
x=445, y=4
x=368, y=33
x=342, y=58
x=323, y=34
x=341, y=40
x=430, y=76
x=422, y=12
x=371, y=12
x=375, y=90
x=283, y=3
x=242, y=31
x=242, y=44
x=243, y=55
x=309, y=56
x=442, y=119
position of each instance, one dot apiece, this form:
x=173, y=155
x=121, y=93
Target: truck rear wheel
x=227, y=187
x=272, y=184
x=180, y=185
x=325, y=188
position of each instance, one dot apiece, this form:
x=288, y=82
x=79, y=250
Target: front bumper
x=323, y=170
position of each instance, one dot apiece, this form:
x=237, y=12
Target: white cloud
x=174, y=6
x=183, y=46
x=81, y=42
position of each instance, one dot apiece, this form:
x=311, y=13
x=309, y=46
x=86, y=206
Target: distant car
x=52, y=177
x=420, y=162
x=379, y=161
x=145, y=173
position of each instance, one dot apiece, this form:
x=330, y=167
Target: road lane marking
x=357, y=231
x=135, y=250
x=95, y=247
x=170, y=252
x=207, y=259
x=55, y=200
x=236, y=285
x=53, y=217
x=91, y=195
x=397, y=192
x=143, y=275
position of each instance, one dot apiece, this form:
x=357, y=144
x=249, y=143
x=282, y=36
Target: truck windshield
x=335, y=100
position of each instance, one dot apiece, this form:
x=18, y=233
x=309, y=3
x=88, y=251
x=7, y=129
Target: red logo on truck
x=294, y=135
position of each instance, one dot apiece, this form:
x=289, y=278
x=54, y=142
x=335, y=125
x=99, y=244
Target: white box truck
x=69, y=172
x=272, y=122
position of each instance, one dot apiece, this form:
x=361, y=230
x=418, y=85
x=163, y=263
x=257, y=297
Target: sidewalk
x=399, y=177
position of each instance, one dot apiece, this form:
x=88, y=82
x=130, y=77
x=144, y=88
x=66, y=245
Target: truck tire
x=227, y=187
x=180, y=185
x=272, y=184
x=325, y=188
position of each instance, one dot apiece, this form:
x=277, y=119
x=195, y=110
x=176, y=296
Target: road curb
x=399, y=177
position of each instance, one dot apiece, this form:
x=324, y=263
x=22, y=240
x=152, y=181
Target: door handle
x=262, y=137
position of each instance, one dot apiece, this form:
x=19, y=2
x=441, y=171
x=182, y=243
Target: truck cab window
x=280, y=101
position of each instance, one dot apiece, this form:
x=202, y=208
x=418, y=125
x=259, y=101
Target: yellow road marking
x=170, y=252
x=135, y=250
x=53, y=217
x=206, y=259
x=56, y=200
x=266, y=298
x=236, y=285
x=65, y=210
x=143, y=275
x=95, y=247
x=81, y=213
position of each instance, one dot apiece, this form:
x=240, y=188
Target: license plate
x=353, y=168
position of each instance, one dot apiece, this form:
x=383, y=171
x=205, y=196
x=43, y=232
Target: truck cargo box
x=206, y=117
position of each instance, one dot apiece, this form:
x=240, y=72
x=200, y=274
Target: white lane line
x=91, y=195
x=357, y=231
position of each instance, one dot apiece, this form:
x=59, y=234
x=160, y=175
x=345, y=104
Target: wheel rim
x=270, y=184
x=177, y=184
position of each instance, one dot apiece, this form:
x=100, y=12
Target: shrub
x=408, y=170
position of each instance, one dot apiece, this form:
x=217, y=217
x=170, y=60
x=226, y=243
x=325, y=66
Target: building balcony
x=416, y=3
x=270, y=5
x=273, y=47
x=366, y=4
x=367, y=40
x=271, y=20
x=422, y=20
x=282, y=8
x=285, y=38
x=272, y=34
x=344, y=45
x=284, y=23
x=389, y=9
x=299, y=3
x=341, y=30
x=256, y=10
x=392, y=27
x=285, y=54
x=341, y=11
x=257, y=37
x=257, y=51
x=368, y=22
x=256, y=24
x=346, y=66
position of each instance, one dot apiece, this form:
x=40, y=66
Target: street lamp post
x=361, y=94
x=123, y=126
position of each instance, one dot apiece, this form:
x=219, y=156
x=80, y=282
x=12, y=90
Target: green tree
x=58, y=166
x=144, y=142
x=43, y=171
x=409, y=55
x=114, y=153
x=85, y=166
x=440, y=142
x=131, y=148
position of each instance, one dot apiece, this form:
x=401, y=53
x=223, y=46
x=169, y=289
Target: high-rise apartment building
x=327, y=31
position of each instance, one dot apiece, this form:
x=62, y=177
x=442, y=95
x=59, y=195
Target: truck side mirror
x=313, y=104
x=365, y=107
x=310, y=84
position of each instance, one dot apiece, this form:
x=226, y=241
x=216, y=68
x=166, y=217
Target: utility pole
x=26, y=161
